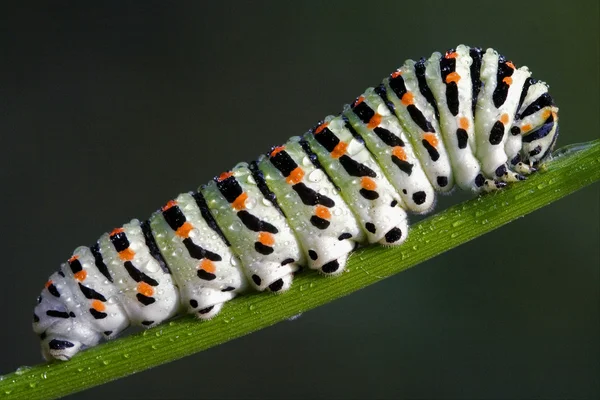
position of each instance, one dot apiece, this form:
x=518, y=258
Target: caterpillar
x=467, y=118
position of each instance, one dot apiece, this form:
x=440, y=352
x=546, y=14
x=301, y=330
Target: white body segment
x=136, y=273
x=253, y=224
x=393, y=150
x=207, y=273
x=315, y=210
x=372, y=198
x=492, y=123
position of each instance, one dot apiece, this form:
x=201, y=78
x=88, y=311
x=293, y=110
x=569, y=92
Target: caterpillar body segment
x=315, y=210
x=372, y=198
x=204, y=268
x=466, y=118
x=256, y=228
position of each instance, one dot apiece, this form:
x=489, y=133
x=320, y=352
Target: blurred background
x=108, y=110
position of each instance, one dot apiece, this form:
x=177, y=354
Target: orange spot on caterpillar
x=368, y=183
x=98, y=305
x=321, y=127
x=463, y=123
x=453, y=77
x=510, y=64
x=399, y=152
x=508, y=80
x=73, y=258
x=408, y=99
x=184, y=230
x=208, y=266
x=127, y=254
x=145, y=289
x=240, y=202
x=81, y=275
x=431, y=139
x=339, y=150
x=525, y=128
x=546, y=113
x=295, y=176
x=396, y=74
x=276, y=150
x=169, y=204
x=358, y=101
x=266, y=238
x=224, y=176
x=116, y=231
x=451, y=55
x=504, y=118
x=374, y=122
x=322, y=212
x=48, y=284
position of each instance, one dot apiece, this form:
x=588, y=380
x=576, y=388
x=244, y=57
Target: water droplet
x=453, y=235
x=126, y=355
x=22, y=370
x=250, y=179
x=252, y=307
x=251, y=203
x=152, y=266
x=154, y=346
x=7, y=391
x=312, y=284
x=32, y=384
x=105, y=362
x=235, y=226
x=458, y=223
x=306, y=161
x=316, y=176
x=80, y=369
x=172, y=323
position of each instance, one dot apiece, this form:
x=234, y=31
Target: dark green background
x=107, y=111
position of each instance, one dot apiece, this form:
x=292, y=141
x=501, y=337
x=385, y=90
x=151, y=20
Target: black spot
x=138, y=275
x=501, y=170
x=145, y=300
x=206, y=310
x=354, y=168
x=497, y=133
x=423, y=87
x=261, y=183
x=100, y=262
x=370, y=227
x=43, y=336
x=255, y=224
x=207, y=276
x=313, y=255
x=515, y=130
x=229, y=187
x=393, y=235
x=442, y=181
x=276, y=286
x=57, y=314
x=228, y=289
x=398, y=86
x=542, y=132
x=544, y=100
x=153, y=246
x=198, y=252
x=477, y=56
x=311, y=198
x=120, y=241
x=90, y=293
x=39, y=299
x=404, y=191
x=516, y=159
x=60, y=273
x=256, y=279
x=287, y=261
x=146, y=323
x=107, y=333
x=388, y=137
x=283, y=162
x=193, y=303
x=479, y=180
x=36, y=318
x=404, y=166
x=71, y=314
x=394, y=203
x=263, y=249
x=369, y=194
x=419, y=197
x=433, y=153
x=463, y=138
x=319, y=222
x=327, y=139
x=53, y=291
x=536, y=151
x=330, y=267
x=344, y=236
x=208, y=218
x=56, y=344
x=97, y=314
x=364, y=112
x=419, y=119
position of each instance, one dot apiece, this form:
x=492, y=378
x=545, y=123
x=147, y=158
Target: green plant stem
x=574, y=168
